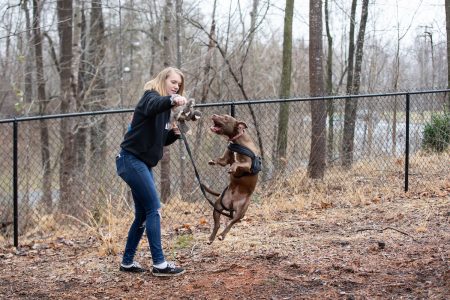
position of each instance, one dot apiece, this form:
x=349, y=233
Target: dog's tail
x=210, y=191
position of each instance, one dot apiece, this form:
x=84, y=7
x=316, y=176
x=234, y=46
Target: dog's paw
x=232, y=170
x=211, y=162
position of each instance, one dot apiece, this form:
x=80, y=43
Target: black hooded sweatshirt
x=149, y=131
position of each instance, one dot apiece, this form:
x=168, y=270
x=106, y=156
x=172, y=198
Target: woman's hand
x=175, y=129
x=179, y=100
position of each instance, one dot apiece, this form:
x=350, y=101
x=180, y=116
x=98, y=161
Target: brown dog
x=243, y=172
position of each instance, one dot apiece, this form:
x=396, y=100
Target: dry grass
x=108, y=224
x=353, y=235
x=297, y=195
x=365, y=184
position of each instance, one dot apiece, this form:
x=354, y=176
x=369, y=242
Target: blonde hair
x=159, y=82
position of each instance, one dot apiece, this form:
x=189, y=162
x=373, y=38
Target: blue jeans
x=139, y=178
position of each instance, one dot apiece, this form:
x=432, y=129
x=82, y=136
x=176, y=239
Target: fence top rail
x=227, y=103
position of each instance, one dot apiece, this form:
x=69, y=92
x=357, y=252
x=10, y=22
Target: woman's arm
x=152, y=103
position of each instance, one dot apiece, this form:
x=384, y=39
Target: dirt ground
x=398, y=249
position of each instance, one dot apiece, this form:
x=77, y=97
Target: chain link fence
x=32, y=203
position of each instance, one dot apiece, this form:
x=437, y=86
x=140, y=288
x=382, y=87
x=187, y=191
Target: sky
x=386, y=17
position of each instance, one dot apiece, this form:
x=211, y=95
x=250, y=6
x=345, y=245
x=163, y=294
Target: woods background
x=100, y=53
x=68, y=56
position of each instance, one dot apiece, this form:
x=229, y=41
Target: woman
x=141, y=150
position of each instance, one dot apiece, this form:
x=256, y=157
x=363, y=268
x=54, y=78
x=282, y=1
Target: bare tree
x=184, y=178
x=329, y=86
x=42, y=104
x=206, y=71
x=347, y=139
x=64, y=12
x=359, y=59
x=285, y=88
x=96, y=83
x=353, y=84
x=80, y=138
x=395, y=83
x=237, y=73
x=28, y=82
x=208, y=57
x=167, y=34
x=447, y=27
x=179, y=29
x=206, y=78
x=316, y=165
x=360, y=48
x=167, y=61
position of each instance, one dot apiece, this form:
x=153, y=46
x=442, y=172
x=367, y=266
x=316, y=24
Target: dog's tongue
x=214, y=128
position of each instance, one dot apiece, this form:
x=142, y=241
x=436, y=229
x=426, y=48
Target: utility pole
x=427, y=33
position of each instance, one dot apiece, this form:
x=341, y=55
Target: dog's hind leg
x=216, y=216
x=235, y=219
x=240, y=212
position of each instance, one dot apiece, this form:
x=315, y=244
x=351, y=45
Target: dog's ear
x=241, y=125
x=196, y=115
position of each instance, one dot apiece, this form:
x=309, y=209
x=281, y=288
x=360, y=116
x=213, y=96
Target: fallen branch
x=385, y=228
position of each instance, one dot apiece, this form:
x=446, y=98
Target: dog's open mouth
x=217, y=127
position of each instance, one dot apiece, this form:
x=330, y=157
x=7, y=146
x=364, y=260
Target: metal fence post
x=233, y=109
x=15, y=184
x=407, y=143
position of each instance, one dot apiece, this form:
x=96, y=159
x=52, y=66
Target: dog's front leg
x=225, y=159
x=239, y=169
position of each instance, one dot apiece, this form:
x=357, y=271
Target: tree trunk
x=235, y=73
x=316, y=166
x=97, y=88
x=81, y=132
x=186, y=181
x=329, y=87
x=167, y=52
x=285, y=88
x=28, y=70
x=360, y=48
x=167, y=60
x=447, y=27
x=350, y=104
x=395, y=87
x=65, y=19
x=179, y=29
x=42, y=103
x=357, y=71
x=206, y=71
x=209, y=55
x=25, y=47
